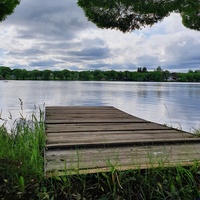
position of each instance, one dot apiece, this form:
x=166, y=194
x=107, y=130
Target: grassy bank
x=21, y=155
x=21, y=174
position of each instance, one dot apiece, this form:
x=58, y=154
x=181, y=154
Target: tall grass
x=22, y=176
x=177, y=183
x=21, y=154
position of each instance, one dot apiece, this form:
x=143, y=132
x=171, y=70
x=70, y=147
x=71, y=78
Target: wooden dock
x=94, y=139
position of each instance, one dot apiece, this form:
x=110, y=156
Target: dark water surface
x=174, y=104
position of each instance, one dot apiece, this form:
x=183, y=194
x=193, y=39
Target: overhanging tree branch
x=7, y=7
x=128, y=15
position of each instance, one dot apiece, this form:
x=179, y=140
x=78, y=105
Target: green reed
x=178, y=183
x=22, y=173
x=21, y=155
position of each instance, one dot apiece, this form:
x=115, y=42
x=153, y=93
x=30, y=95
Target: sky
x=56, y=35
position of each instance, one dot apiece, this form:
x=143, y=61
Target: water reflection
x=167, y=103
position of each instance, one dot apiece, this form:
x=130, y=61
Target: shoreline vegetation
x=22, y=174
x=142, y=74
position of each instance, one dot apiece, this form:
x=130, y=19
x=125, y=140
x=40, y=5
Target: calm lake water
x=174, y=104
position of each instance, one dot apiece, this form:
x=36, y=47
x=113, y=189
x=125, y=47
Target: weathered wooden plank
x=91, y=119
x=81, y=138
x=60, y=120
x=82, y=113
x=118, y=167
x=103, y=127
x=85, y=111
x=170, y=133
x=95, y=144
x=133, y=151
x=89, y=165
x=108, y=160
x=89, y=115
x=88, y=159
x=116, y=138
x=91, y=139
x=75, y=108
x=54, y=108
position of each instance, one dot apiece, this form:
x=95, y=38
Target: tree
x=36, y=74
x=144, y=69
x=17, y=73
x=159, y=69
x=5, y=72
x=128, y=76
x=166, y=75
x=135, y=76
x=121, y=76
x=98, y=75
x=111, y=75
x=58, y=75
x=47, y=74
x=7, y=7
x=20, y=74
x=190, y=12
x=86, y=76
x=66, y=74
x=197, y=76
x=24, y=74
x=74, y=75
x=128, y=15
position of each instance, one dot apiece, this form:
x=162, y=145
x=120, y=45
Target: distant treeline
x=142, y=74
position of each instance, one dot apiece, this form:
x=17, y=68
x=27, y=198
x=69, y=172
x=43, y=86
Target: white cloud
x=56, y=35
